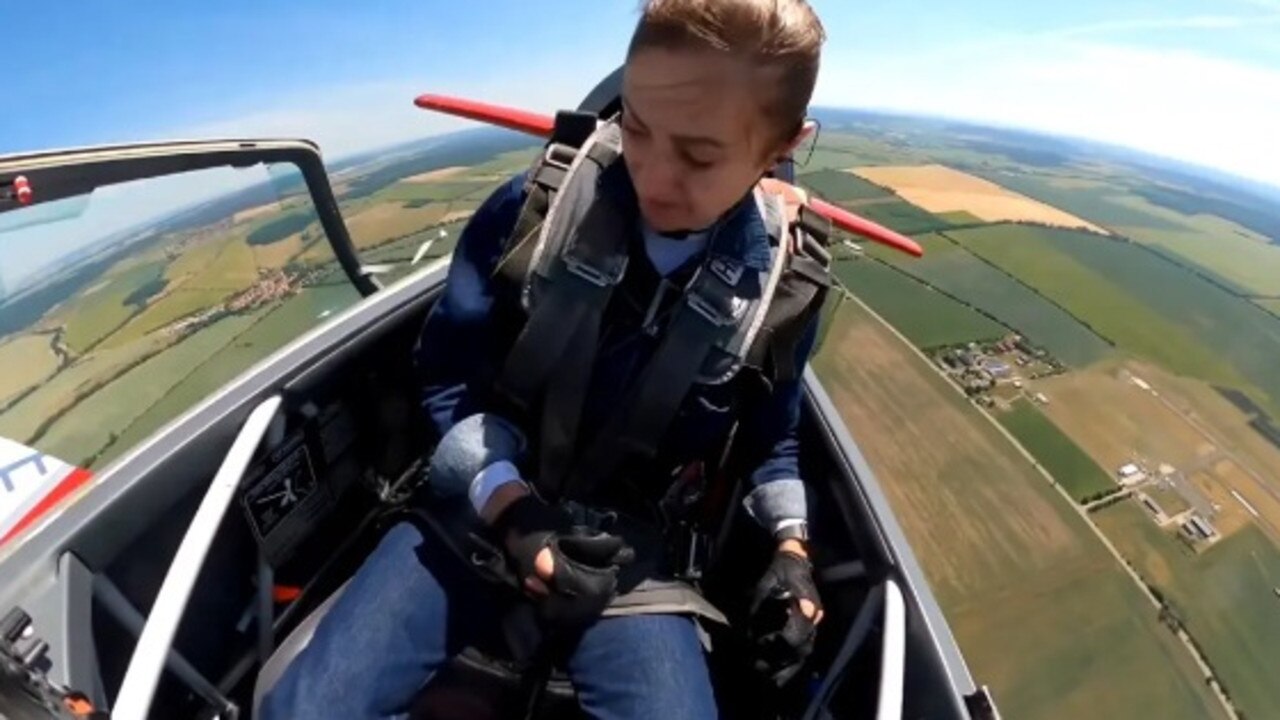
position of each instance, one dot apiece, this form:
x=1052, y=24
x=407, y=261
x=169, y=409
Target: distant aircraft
x=128, y=599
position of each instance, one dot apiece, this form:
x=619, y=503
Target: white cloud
x=1186, y=105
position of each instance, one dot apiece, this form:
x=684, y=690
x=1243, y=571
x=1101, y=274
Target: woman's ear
x=807, y=130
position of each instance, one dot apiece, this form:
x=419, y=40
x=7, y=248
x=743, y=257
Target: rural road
x=1084, y=515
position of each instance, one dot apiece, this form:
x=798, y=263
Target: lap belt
x=646, y=587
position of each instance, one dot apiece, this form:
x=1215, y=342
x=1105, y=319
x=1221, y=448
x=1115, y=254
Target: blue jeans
x=411, y=606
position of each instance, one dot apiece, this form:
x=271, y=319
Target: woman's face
x=693, y=135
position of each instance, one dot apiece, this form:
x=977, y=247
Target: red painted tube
x=510, y=118
x=542, y=126
x=857, y=225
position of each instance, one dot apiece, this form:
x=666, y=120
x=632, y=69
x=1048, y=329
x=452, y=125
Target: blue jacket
x=466, y=336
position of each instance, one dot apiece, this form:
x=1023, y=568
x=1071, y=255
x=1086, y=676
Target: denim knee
x=470, y=446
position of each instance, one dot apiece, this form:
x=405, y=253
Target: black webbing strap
x=701, y=323
x=542, y=343
x=552, y=358
x=814, y=224
x=566, y=391
x=591, y=254
x=792, y=308
x=514, y=265
x=546, y=176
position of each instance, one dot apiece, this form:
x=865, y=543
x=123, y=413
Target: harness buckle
x=593, y=274
x=700, y=305
x=549, y=155
x=689, y=552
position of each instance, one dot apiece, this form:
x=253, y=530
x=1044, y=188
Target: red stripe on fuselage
x=69, y=484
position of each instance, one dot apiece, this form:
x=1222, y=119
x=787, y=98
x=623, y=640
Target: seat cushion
x=295, y=643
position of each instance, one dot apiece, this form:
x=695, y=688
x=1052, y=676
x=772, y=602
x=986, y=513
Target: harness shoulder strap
x=799, y=297
x=706, y=341
x=571, y=269
x=543, y=180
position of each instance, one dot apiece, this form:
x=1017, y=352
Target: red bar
x=542, y=126
x=510, y=118
x=847, y=221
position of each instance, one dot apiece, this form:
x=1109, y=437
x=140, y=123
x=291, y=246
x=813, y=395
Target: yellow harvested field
x=27, y=360
x=389, y=221
x=453, y=215
x=940, y=189
x=1178, y=421
x=279, y=253
x=441, y=174
x=1112, y=419
x=1230, y=515
x=1261, y=498
x=254, y=212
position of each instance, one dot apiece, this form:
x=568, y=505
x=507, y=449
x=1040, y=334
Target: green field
x=967, y=277
x=1099, y=202
x=1144, y=304
x=232, y=269
x=97, y=314
x=1098, y=651
x=22, y=420
x=1224, y=596
x=503, y=164
x=179, y=303
x=271, y=330
x=1239, y=256
x=442, y=190
x=197, y=258
x=840, y=186
x=278, y=227
x=1271, y=304
x=927, y=317
x=841, y=151
x=902, y=216
x=91, y=424
x=400, y=253
x=27, y=360
x=1042, y=613
x=391, y=221
x=1075, y=471
x=1248, y=263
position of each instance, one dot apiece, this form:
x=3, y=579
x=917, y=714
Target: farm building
x=1130, y=474
x=1198, y=528
x=997, y=368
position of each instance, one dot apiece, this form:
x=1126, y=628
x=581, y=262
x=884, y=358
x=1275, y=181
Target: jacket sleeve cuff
x=470, y=447
x=489, y=480
x=776, y=502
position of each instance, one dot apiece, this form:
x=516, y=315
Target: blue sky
x=1197, y=80
x=1193, y=79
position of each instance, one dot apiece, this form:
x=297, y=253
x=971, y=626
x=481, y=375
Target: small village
x=996, y=372
x=271, y=286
